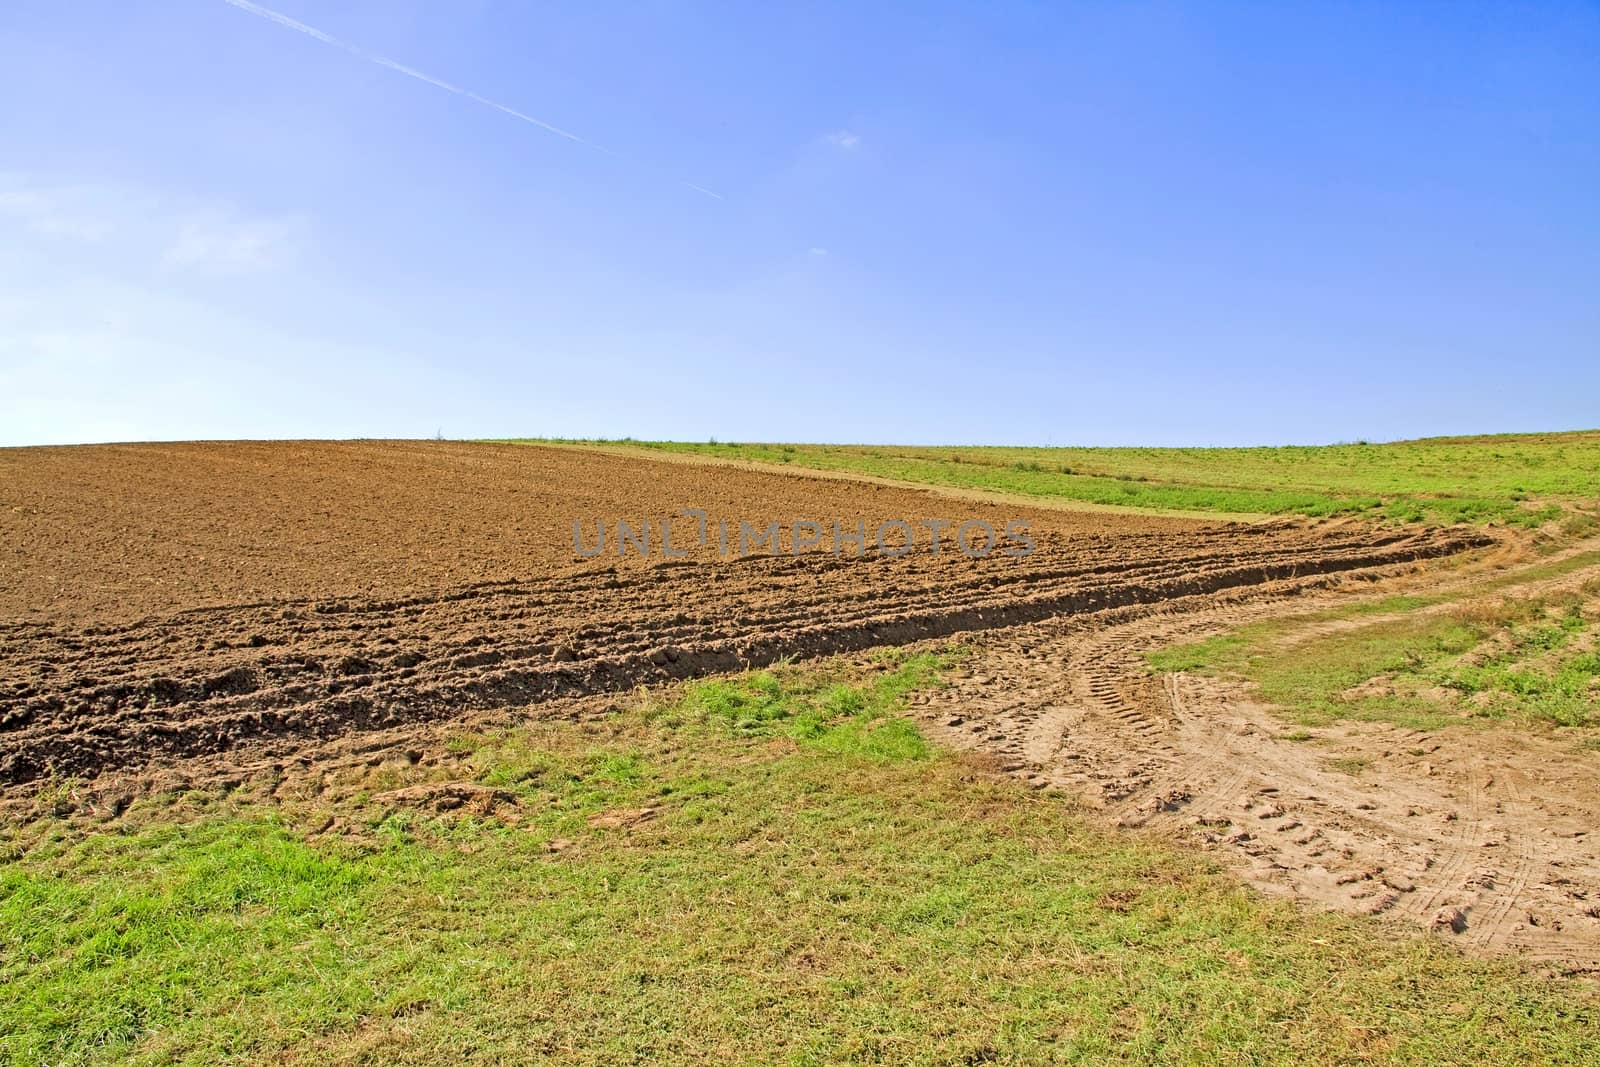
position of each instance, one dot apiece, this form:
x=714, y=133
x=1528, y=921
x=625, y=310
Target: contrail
x=438, y=83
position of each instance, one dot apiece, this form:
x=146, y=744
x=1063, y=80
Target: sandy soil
x=1487, y=835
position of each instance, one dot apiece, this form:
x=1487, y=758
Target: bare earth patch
x=1483, y=834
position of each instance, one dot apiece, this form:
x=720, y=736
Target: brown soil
x=175, y=600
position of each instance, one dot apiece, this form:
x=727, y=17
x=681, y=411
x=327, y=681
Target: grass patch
x=854, y=720
x=773, y=868
x=1520, y=480
x=1543, y=668
x=1529, y=661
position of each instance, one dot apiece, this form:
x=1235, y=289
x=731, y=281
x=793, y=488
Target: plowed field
x=162, y=601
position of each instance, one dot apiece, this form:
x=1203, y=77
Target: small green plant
x=1351, y=765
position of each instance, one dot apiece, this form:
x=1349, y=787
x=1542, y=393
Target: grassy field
x=1424, y=662
x=1524, y=480
x=769, y=868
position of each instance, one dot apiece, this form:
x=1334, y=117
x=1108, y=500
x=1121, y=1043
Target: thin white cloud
x=819, y=251
x=224, y=245
x=141, y=228
x=838, y=138
x=428, y=79
x=81, y=213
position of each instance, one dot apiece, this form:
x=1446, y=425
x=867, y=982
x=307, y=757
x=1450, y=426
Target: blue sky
x=1057, y=223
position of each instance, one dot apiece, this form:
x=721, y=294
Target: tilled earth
x=163, y=601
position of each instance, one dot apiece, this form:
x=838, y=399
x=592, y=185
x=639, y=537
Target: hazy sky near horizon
x=1096, y=223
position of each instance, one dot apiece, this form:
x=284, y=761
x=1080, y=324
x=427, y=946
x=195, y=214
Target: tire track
x=1197, y=758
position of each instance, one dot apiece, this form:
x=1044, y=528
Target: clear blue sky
x=1055, y=223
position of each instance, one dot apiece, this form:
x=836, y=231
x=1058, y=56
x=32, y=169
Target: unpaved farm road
x=1486, y=835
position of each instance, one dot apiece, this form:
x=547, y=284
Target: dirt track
x=1484, y=835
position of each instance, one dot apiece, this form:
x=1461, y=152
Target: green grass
x=1524, y=480
x=799, y=878
x=1545, y=670
x=1527, y=661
